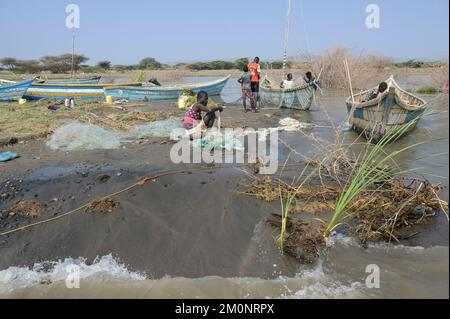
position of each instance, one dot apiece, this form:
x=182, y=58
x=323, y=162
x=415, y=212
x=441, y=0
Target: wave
x=106, y=277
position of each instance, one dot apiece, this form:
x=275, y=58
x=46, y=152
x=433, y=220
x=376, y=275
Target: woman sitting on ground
x=193, y=117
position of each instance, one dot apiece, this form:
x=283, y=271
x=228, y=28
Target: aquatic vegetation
x=369, y=170
x=303, y=241
x=368, y=194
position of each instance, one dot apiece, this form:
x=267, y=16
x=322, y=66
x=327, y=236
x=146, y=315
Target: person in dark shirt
x=374, y=93
x=245, y=81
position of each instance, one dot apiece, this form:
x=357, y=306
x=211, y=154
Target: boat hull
x=94, y=80
x=66, y=91
x=164, y=93
x=14, y=92
x=373, y=119
x=299, y=98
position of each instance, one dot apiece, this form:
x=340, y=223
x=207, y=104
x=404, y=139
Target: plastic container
x=109, y=99
x=22, y=101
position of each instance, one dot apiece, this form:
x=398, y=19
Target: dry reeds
x=30, y=209
x=126, y=121
x=103, y=206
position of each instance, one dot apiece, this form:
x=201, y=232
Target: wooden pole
x=286, y=37
x=320, y=74
x=73, y=55
x=349, y=79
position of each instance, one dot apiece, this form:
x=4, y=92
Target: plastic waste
x=7, y=156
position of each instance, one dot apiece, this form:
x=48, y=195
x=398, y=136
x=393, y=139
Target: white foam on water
x=109, y=278
x=106, y=277
x=340, y=239
x=104, y=268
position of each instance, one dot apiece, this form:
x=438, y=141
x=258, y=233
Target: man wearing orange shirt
x=255, y=70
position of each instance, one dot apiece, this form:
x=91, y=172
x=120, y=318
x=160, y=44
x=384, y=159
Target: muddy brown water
x=193, y=235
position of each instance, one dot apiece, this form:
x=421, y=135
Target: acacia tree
x=105, y=65
x=149, y=64
x=62, y=63
x=29, y=66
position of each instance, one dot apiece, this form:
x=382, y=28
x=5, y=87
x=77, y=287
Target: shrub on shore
x=427, y=90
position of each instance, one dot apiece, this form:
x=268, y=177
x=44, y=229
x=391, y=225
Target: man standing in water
x=255, y=70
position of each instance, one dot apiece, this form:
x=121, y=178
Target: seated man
x=153, y=82
x=308, y=78
x=288, y=83
x=193, y=117
x=374, y=93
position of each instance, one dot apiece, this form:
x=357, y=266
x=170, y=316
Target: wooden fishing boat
x=14, y=91
x=65, y=91
x=93, y=80
x=393, y=108
x=165, y=92
x=299, y=97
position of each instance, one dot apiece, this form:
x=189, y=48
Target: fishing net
x=77, y=136
x=164, y=128
x=216, y=140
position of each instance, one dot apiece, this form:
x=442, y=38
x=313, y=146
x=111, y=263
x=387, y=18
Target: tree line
x=63, y=64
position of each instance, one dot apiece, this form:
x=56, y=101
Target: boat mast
x=286, y=36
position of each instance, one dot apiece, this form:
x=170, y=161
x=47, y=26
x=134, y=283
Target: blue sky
x=198, y=30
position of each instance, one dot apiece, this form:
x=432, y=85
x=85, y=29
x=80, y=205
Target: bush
x=149, y=64
x=124, y=68
x=410, y=64
x=240, y=63
x=105, y=65
x=427, y=90
x=216, y=65
x=91, y=69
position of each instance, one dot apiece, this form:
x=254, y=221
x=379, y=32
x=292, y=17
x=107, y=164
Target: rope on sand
x=140, y=182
